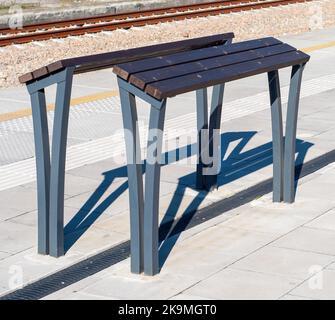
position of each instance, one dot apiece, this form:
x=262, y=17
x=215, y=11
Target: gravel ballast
x=290, y=19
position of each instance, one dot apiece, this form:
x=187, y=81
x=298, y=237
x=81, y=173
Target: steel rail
x=146, y=20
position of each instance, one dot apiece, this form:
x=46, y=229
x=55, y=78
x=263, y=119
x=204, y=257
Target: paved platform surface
x=259, y=250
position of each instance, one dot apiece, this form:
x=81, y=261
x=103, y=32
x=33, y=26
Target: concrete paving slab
x=77, y=296
x=327, y=136
x=176, y=205
x=92, y=239
x=207, y=258
x=326, y=221
x=4, y=255
x=9, y=199
x=187, y=297
x=309, y=239
x=108, y=199
x=7, y=213
x=322, y=287
x=135, y=287
x=179, y=174
x=271, y=220
x=323, y=191
x=285, y=262
x=309, y=122
x=331, y=266
x=16, y=237
x=121, y=222
x=306, y=208
x=101, y=170
x=293, y=297
x=233, y=240
x=74, y=185
x=30, y=219
x=262, y=215
x=242, y=285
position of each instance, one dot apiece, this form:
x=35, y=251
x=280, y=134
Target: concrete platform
x=259, y=250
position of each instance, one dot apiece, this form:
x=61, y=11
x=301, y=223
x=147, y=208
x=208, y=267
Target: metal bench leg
x=135, y=181
x=57, y=178
x=202, y=128
x=277, y=135
x=291, y=132
x=152, y=182
x=214, y=135
x=42, y=151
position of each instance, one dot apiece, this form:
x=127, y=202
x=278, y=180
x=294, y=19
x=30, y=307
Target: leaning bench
x=51, y=169
x=156, y=79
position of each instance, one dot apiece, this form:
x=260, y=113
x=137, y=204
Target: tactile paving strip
x=92, y=138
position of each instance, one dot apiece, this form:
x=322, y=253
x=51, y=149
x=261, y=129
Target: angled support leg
x=277, y=135
x=144, y=216
x=42, y=151
x=50, y=174
x=202, y=128
x=214, y=152
x=291, y=132
x=205, y=146
x=135, y=181
x=57, y=178
x=152, y=184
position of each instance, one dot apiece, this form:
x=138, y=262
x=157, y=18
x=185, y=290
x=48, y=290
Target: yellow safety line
x=108, y=94
x=74, y=102
x=319, y=47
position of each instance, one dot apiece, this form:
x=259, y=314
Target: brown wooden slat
x=40, y=72
x=141, y=79
x=26, y=77
x=172, y=87
x=129, y=68
x=55, y=66
x=106, y=60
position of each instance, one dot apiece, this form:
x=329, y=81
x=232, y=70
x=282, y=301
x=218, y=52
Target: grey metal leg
x=152, y=182
x=214, y=133
x=291, y=131
x=202, y=128
x=42, y=151
x=277, y=135
x=60, y=130
x=135, y=181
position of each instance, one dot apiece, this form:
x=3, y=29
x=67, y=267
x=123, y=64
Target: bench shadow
x=234, y=166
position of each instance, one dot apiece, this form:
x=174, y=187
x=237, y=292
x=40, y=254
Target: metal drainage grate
x=103, y=260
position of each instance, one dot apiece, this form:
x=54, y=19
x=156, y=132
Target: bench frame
x=144, y=208
x=50, y=169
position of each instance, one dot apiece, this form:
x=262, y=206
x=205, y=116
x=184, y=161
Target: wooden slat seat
x=166, y=76
x=106, y=60
x=125, y=69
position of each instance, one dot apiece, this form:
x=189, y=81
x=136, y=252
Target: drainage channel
x=120, y=252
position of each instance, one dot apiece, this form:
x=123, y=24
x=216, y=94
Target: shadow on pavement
x=236, y=164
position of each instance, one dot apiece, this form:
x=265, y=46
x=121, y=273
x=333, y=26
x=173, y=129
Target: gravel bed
x=16, y=60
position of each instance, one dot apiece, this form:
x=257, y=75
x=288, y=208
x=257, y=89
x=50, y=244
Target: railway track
x=81, y=26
